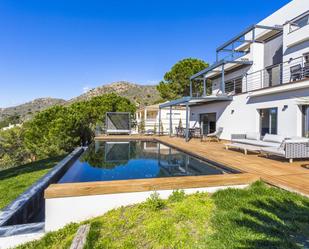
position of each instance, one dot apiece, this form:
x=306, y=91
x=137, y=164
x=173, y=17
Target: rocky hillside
x=139, y=94
x=27, y=110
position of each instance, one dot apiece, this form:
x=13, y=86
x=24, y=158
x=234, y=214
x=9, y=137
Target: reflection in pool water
x=105, y=161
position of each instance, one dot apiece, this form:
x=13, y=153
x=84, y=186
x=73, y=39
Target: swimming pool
x=125, y=160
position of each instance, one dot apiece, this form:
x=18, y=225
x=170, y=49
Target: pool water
x=123, y=160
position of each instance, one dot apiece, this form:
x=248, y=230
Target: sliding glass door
x=269, y=121
x=208, y=122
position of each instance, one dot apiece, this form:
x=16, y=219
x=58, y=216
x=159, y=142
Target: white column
x=187, y=122
x=171, y=124
x=159, y=121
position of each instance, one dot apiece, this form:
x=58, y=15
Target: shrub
x=177, y=195
x=154, y=202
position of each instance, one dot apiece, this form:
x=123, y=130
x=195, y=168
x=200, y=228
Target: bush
x=154, y=202
x=59, y=129
x=177, y=195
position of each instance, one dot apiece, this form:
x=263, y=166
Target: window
x=299, y=23
x=269, y=121
x=273, y=76
x=152, y=114
x=234, y=86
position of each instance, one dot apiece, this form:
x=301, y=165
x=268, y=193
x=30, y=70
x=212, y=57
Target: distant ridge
x=28, y=109
x=140, y=95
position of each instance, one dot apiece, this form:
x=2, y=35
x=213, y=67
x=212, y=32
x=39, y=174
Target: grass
x=14, y=181
x=256, y=217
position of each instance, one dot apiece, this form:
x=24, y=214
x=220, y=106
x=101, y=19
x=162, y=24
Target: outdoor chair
x=215, y=135
x=197, y=133
x=179, y=131
x=296, y=72
x=306, y=70
x=149, y=132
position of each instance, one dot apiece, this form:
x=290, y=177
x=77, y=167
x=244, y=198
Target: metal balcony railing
x=289, y=71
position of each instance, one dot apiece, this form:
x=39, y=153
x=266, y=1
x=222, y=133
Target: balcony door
x=268, y=121
x=305, y=109
x=208, y=122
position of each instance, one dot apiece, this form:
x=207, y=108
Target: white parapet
x=62, y=211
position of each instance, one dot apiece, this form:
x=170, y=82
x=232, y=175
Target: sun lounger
x=215, y=135
x=252, y=138
x=289, y=149
x=244, y=147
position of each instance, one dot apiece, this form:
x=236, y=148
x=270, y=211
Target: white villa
x=149, y=116
x=260, y=80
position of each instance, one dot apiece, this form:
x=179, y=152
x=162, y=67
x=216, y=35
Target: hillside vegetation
x=139, y=95
x=25, y=111
x=58, y=129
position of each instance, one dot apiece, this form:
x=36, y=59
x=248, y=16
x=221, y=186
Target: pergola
x=187, y=102
x=118, y=123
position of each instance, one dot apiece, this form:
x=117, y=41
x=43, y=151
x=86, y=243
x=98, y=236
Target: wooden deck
x=293, y=177
x=276, y=171
x=141, y=185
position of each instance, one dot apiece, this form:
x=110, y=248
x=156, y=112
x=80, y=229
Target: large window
x=269, y=121
x=234, y=86
x=272, y=76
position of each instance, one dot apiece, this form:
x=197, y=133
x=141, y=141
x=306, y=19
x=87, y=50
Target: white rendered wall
x=286, y=13
x=177, y=114
x=16, y=240
x=62, y=211
x=241, y=114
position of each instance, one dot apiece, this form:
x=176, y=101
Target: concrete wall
x=62, y=211
x=241, y=115
x=286, y=13
x=273, y=51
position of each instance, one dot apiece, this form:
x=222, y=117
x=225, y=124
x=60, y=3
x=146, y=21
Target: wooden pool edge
x=142, y=185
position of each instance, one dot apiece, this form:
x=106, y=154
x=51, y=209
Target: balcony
x=290, y=71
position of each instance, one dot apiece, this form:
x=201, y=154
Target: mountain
x=141, y=95
x=27, y=110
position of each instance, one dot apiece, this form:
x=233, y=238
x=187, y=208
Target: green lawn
x=256, y=217
x=14, y=181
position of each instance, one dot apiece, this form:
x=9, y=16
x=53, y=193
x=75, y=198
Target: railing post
x=246, y=75
x=222, y=80
x=159, y=121
x=190, y=88
x=261, y=75
x=171, y=125
x=204, y=86
x=187, y=121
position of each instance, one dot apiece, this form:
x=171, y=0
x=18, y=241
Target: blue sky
x=59, y=48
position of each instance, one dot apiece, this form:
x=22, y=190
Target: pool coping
x=61, y=190
x=15, y=210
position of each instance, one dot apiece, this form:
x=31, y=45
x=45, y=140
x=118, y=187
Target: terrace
x=290, y=176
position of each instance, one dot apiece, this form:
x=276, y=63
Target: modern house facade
x=260, y=80
x=147, y=118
